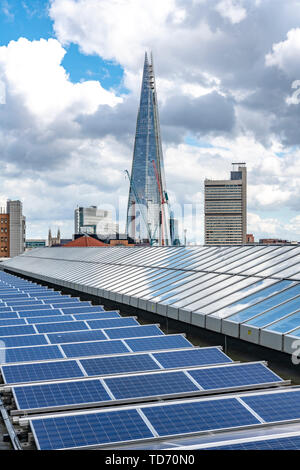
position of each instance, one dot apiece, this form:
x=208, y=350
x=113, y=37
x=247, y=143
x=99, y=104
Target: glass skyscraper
x=148, y=218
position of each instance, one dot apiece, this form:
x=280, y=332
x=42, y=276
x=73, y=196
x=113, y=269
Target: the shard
x=148, y=218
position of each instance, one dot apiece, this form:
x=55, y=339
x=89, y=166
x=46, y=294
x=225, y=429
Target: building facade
x=12, y=229
x=32, y=243
x=94, y=221
x=225, y=208
x=148, y=208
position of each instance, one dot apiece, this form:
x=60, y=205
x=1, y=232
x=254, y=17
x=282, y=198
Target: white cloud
x=232, y=10
x=285, y=54
x=32, y=71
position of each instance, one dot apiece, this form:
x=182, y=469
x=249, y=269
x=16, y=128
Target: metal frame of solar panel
x=131, y=388
x=188, y=417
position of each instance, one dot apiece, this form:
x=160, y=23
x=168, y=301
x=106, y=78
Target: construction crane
x=163, y=201
x=151, y=239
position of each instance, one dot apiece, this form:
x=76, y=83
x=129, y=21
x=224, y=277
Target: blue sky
x=224, y=80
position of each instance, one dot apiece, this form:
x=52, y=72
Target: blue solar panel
x=36, y=353
x=67, y=326
x=118, y=364
x=275, y=406
x=87, y=309
x=8, y=314
x=283, y=443
x=64, y=302
x=191, y=357
x=60, y=394
x=159, y=342
x=25, y=303
x=133, y=331
x=96, y=348
x=183, y=418
x=76, y=336
x=89, y=429
x=31, y=340
x=96, y=315
x=112, y=323
x=147, y=385
x=55, y=319
x=5, y=309
x=234, y=376
x=39, y=313
x=17, y=330
x=41, y=371
x=12, y=321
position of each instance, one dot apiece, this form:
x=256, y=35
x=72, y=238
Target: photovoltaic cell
x=147, y=385
x=87, y=309
x=31, y=340
x=41, y=371
x=32, y=354
x=7, y=315
x=16, y=330
x=55, y=319
x=275, y=406
x=192, y=417
x=283, y=443
x=76, y=336
x=234, y=376
x=112, y=323
x=40, y=313
x=11, y=321
x=96, y=348
x=134, y=331
x=158, y=342
x=191, y=357
x=89, y=429
x=67, y=326
x=118, y=364
x=96, y=315
x=60, y=394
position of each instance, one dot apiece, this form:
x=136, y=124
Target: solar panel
x=35, y=353
x=184, y=418
x=38, y=372
x=87, y=309
x=5, y=309
x=67, y=326
x=133, y=331
x=24, y=303
x=112, y=323
x=191, y=357
x=96, y=315
x=158, y=342
x=31, y=340
x=60, y=394
x=11, y=321
x=55, y=319
x=234, y=376
x=39, y=313
x=16, y=330
x=275, y=406
x=118, y=364
x=76, y=336
x=271, y=443
x=89, y=429
x=147, y=385
x=96, y=348
x=8, y=314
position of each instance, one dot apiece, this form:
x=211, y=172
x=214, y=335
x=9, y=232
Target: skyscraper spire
x=148, y=210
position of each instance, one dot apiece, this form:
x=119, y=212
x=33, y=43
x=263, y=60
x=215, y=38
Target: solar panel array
x=64, y=356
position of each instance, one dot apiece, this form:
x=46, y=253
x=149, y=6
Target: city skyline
x=68, y=114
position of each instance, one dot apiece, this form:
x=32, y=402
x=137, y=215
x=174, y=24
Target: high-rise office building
x=148, y=209
x=91, y=220
x=12, y=230
x=226, y=208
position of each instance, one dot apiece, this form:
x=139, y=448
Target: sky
x=228, y=84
